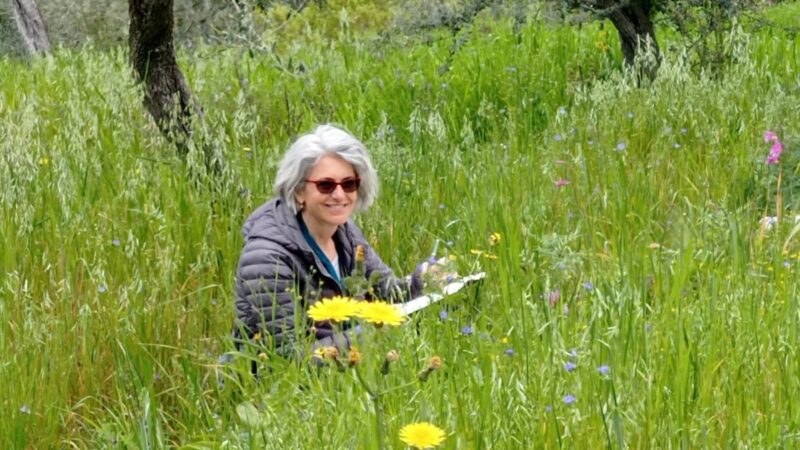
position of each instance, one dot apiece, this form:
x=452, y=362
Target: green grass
x=117, y=264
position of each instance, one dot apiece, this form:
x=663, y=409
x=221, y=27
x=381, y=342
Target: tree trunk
x=167, y=95
x=30, y=25
x=637, y=36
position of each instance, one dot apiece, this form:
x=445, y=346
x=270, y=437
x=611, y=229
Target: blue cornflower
x=604, y=369
x=467, y=330
x=115, y=242
x=558, y=138
x=569, y=399
x=588, y=286
x=509, y=352
x=443, y=315
x=102, y=288
x=569, y=366
x=621, y=146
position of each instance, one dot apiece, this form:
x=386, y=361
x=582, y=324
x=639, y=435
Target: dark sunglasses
x=328, y=185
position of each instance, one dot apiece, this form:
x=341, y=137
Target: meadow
x=635, y=297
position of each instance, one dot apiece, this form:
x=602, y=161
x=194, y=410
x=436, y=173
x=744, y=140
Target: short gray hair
x=308, y=149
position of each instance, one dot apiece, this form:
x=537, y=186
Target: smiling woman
x=300, y=245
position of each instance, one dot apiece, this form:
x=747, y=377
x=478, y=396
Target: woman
x=299, y=246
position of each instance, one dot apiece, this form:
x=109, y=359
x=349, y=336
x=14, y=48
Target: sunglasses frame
x=356, y=180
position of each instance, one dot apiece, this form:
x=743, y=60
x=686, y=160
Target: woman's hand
x=438, y=272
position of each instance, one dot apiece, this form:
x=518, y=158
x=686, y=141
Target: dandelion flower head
x=336, y=309
x=422, y=435
x=381, y=313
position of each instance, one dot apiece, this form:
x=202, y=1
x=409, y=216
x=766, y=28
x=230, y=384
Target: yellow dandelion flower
x=44, y=160
x=336, y=309
x=422, y=435
x=381, y=313
x=504, y=339
x=495, y=238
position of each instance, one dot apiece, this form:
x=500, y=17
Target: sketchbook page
x=424, y=301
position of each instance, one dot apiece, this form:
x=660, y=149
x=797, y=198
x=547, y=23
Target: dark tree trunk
x=637, y=35
x=167, y=95
x=30, y=25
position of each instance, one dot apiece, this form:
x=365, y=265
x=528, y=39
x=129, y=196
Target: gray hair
x=309, y=149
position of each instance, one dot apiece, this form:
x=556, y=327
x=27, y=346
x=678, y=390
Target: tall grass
x=117, y=263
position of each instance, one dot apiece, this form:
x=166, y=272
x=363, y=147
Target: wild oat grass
x=632, y=300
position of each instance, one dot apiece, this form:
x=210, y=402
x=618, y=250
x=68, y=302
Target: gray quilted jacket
x=279, y=277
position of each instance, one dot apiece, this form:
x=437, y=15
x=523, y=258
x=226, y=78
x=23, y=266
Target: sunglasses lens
x=326, y=186
x=350, y=184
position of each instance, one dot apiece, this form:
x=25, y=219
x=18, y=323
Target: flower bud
x=262, y=356
x=359, y=254
x=434, y=364
x=354, y=356
x=391, y=356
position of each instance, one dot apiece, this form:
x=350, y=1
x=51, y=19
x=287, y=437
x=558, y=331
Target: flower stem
x=375, y=396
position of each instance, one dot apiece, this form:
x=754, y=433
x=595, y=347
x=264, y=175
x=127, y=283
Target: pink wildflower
x=561, y=183
x=777, y=147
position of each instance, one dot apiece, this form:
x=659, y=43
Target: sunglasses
x=328, y=185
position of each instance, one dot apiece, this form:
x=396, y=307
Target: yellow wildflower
x=422, y=435
x=381, y=313
x=495, y=238
x=336, y=309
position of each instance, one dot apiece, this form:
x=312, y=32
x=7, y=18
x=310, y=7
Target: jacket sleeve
x=265, y=294
x=388, y=286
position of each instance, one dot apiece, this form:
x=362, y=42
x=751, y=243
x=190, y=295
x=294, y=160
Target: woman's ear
x=300, y=199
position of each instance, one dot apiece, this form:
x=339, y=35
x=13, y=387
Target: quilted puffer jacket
x=279, y=277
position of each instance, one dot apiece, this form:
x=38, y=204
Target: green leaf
x=249, y=415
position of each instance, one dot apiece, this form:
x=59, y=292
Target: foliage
x=633, y=299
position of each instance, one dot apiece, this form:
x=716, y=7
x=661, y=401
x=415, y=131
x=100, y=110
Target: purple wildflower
x=102, y=288
x=569, y=366
x=604, y=370
x=569, y=399
x=115, y=242
x=621, y=146
x=553, y=297
x=588, y=286
x=561, y=183
x=509, y=352
x=467, y=330
x=777, y=147
x=558, y=137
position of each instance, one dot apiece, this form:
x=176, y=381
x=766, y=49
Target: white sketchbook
x=424, y=301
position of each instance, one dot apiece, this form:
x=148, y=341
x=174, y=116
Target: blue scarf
x=318, y=251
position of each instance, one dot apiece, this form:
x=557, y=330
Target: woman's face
x=321, y=211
